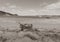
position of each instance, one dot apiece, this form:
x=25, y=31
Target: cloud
x=30, y=12
x=52, y=9
x=53, y=6
x=17, y=10
x=11, y=8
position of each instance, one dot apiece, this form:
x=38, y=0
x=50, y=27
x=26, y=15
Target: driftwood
x=26, y=26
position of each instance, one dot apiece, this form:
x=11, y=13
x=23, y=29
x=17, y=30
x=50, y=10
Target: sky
x=31, y=7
